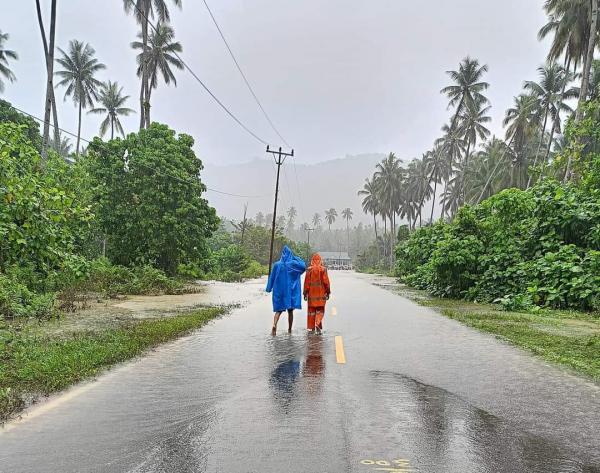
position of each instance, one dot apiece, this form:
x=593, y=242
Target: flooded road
x=418, y=392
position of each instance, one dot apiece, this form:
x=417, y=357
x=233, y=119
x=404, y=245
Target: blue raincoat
x=284, y=281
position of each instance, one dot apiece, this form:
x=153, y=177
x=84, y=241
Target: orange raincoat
x=316, y=292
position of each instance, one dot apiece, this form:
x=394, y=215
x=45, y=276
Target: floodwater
x=418, y=392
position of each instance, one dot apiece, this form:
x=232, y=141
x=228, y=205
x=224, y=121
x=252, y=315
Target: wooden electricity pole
x=279, y=160
x=308, y=230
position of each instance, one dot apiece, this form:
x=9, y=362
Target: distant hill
x=333, y=183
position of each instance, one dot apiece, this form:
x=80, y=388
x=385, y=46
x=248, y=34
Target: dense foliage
x=147, y=197
x=522, y=248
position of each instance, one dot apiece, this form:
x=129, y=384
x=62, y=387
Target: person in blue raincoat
x=284, y=283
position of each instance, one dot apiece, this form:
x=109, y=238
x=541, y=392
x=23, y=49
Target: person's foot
x=319, y=331
x=274, y=330
x=289, y=330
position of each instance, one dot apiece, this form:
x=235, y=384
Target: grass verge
x=32, y=366
x=568, y=338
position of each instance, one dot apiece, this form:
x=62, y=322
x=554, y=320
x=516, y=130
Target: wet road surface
x=418, y=392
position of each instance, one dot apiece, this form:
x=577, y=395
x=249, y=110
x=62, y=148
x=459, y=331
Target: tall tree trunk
x=537, y=153
x=557, y=120
x=375, y=225
x=50, y=103
x=143, y=86
x=147, y=103
x=78, y=131
x=585, y=80
x=112, y=129
x=433, y=203
x=463, y=195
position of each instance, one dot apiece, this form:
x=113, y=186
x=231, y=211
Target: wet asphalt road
x=419, y=392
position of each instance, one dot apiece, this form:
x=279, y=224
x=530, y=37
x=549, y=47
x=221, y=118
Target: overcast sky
x=337, y=76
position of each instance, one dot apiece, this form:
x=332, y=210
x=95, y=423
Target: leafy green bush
x=38, y=213
x=16, y=301
x=106, y=278
x=520, y=248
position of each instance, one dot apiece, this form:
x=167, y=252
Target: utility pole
x=279, y=157
x=308, y=230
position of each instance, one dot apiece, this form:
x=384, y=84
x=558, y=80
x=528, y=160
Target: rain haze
x=337, y=78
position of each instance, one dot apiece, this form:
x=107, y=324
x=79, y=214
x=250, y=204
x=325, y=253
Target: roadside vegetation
x=35, y=365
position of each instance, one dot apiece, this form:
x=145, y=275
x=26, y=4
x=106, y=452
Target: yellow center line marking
x=340, y=356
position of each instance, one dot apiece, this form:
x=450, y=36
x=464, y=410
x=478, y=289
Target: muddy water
x=419, y=392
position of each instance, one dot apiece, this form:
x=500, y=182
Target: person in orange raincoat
x=316, y=291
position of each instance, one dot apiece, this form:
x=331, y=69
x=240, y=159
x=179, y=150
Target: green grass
x=31, y=365
x=568, y=338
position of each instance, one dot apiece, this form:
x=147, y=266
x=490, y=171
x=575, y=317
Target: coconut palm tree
x=438, y=169
x=347, y=215
x=522, y=123
x=569, y=24
x=419, y=186
x=551, y=94
x=472, y=127
x=330, y=216
x=63, y=147
x=260, y=219
x=5, y=55
x=452, y=145
x=292, y=213
x=316, y=220
x=370, y=203
x=467, y=88
x=80, y=67
x=159, y=58
x=144, y=10
x=389, y=178
x=112, y=99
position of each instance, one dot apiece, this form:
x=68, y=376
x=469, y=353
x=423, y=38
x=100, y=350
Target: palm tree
x=62, y=147
x=550, y=92
x=569, y=23
x=112, y=99
x=419, y=186
x=452, y=145
x=347, y=215
x=521, y=122
x=389, y=177
x=487, y=176
x=80, y=66
x=370, y=204
x=260, y=219
x=316, y=220
x=330, y=216
x=292, y=213
x=472, y=126
x=143, y=11
x=438, y=169
x=159, y=56
x=5, y=55
x=468, y=87
x=50, y=102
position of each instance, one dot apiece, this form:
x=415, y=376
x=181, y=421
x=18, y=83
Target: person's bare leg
x=290, y=320
x=275, y=321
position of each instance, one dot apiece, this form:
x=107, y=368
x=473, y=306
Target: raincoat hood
x=286, y=254
x=316, y=260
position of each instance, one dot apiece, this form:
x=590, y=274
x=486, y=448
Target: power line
x=204, y=86
x=244, y=76
x=185, y=181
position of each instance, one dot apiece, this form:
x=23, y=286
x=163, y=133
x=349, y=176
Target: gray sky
x=337, y=76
